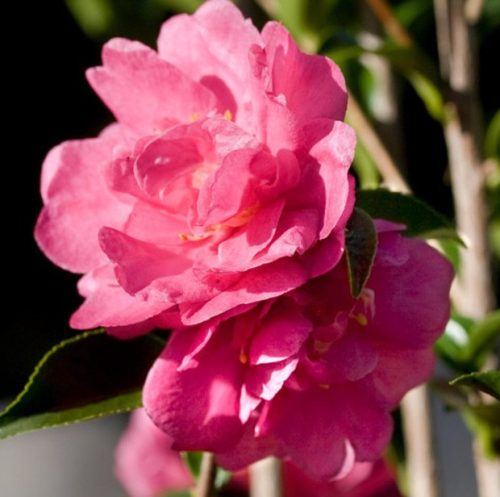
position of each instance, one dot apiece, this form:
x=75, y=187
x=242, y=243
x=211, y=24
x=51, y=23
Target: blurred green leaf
x=222, y=477
x=492, y=137
x=365, y=168
x=193, y=461
x=486, y=381
x=361, y=246
x=419, y=218
x=412, y=64
x=484, y=421
x=82, y=378
x=483, y=337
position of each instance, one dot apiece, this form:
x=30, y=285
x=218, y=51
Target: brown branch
x=391, y=24
x=386, y=166
x=418, y=435
x=205, y=486
x=266, y=478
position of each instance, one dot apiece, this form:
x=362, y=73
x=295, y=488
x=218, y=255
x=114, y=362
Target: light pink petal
x=143, y=90
x=266, y=380
x=312, y=85
x=212, y=47
x=78, y=202
x=328, y=185
x=145, y=463
x=281, y=334
x=236, y=252
x=108, y=305
x=197, y=407
x=157, y=226
x=139, y=263
x=268, y=281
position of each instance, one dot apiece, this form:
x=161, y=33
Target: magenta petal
x=280, y=335
x=367, y=425
x=266, y=380
x=141, y=89
x=249, y=449
x=400, y=370
x=307, y=426
x=197, y=407
x=411, y=299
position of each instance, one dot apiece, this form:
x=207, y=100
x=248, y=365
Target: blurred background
x=47, y=100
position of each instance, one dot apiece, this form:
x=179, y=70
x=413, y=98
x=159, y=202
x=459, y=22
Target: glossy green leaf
x=420, y=219
x=361, y=246
x=487, y=381
x=82, y=378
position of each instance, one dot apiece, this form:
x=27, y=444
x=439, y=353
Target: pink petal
x=78, y=202
x=145, y=463
x=108, y=305
x=197, y=407
x=139, y=263
x=212, y=47
x=312, y=85
x=268, y=281
x=411, y=300
x=281, y=334
x=249, y=449
x=328, y=184
x=400, y=370
x=143, y=90
x=266, y=380
x=312, y=437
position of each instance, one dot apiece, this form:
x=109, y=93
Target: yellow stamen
x=360, y=318
x=228, y=115
x=243, y=357
x=194, y=117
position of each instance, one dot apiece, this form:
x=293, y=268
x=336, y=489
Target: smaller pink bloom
x=145, y=463
x=313, y=375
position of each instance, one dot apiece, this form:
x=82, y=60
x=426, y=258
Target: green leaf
x=483, y=336
x=492, y=137
x=412, y=64
x=193, y=460
x=420, y=219
x=222, y=477
x=361, y=246
x=82, y=378
x=487, y=381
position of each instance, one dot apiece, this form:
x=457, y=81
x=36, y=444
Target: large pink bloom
x=147, y=466
x=310, y=376
x=227, y=171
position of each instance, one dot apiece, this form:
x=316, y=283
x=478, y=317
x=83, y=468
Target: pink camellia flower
x=223, y=182
x=310, y=376
x=147, y=466
x=145, y=463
